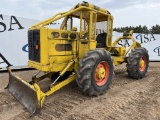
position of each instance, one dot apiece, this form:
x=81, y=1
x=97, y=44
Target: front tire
x=95, y=72
x=137, y=63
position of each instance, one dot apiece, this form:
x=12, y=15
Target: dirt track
x=126, y=99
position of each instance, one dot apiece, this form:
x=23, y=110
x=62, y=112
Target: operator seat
x=101, y=40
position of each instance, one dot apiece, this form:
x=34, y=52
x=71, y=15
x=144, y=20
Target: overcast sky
x=125, y=12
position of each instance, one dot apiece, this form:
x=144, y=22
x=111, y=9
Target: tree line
x=155, y=29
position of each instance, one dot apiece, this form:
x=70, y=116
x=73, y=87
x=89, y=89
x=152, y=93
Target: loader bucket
x=25, y=93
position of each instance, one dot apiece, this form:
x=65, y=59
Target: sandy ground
x=127, y=99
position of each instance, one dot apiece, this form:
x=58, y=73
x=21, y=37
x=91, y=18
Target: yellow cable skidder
x=80, y=49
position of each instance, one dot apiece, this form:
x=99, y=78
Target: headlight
x=55, y=34
x=64, y=35
x=72, y=36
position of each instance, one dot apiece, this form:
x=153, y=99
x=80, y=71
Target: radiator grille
x=34, y=45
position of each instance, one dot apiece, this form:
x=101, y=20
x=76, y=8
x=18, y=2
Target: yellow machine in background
x=77, y=50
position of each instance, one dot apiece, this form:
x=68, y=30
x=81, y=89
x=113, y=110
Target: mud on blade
x=24, y=93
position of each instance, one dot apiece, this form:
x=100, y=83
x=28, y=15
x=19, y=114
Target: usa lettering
x=13, y=22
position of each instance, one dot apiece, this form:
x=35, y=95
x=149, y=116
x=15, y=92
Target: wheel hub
x=142, y=63
x=100, y=73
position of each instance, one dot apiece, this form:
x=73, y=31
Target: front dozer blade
x=25, y=93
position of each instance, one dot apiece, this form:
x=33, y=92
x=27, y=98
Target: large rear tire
x=95, y=72
x=137, y=63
